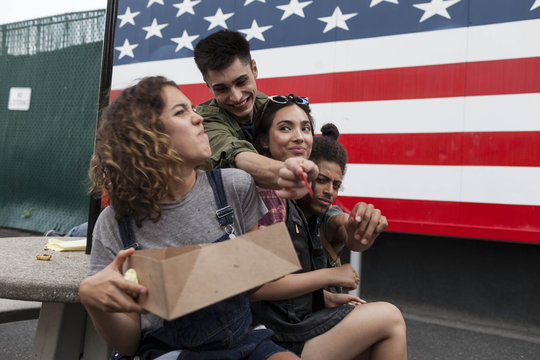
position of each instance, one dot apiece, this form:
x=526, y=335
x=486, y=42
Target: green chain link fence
x=45, y=150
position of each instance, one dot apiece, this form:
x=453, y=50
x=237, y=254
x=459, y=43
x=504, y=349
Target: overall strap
x=129, y=241
x=334, y=258
x=224, y=213
x=126, y=233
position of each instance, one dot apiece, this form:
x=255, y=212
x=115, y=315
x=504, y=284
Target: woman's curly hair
x=134, y=159
x=327, y=148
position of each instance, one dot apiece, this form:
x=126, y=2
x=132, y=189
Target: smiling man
x=230, y=73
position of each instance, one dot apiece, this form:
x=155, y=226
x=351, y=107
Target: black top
x=299, y=319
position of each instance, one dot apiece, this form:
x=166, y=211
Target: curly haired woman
x=150, y=143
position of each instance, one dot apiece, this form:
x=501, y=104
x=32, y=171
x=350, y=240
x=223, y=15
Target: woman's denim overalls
x=220, y=331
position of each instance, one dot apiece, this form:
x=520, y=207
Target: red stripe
x=418, y=82
x=513, y=76
x=449, y=80
x=520, y=148
x=484, y=221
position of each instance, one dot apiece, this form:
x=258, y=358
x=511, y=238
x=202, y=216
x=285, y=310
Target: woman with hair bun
x=337, y=230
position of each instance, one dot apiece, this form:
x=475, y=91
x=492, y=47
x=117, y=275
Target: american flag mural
x=438, y=101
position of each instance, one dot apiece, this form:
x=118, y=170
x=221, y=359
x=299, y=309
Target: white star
x=126, y=49
x=184, y=41
x=250, y=1
x=377, y=2
x=150, y=2
x=128, y=17
x=154, y=29
x=535, y=5
x=255, y=31
x=186, y=7
x=294, y=7
x=218, y=19
x=436, y=7
x=337, y=19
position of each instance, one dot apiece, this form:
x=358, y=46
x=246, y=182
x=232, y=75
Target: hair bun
x=330, y=130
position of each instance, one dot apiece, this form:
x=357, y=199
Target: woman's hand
x=290, y=180
x=345, y=276
x=107, y=290
x=334, y=300
x=364, y=226
x=114, y=313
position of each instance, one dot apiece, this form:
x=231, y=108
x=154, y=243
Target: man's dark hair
x=220, y=49
x=326, y=147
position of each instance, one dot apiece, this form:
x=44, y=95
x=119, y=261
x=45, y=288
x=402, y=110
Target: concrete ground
x=16, y=337
x=428, y=339
x=461, y=298
x=431, y=335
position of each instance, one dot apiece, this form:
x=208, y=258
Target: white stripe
x=488, y=42
x=518, y=112
x=482, y=184
x=510, y=40
x=416, y=49
x=392, y=116
x=181, y=71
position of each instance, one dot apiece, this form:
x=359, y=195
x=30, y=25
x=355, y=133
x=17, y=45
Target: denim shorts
x=265, y=349
x=256, y=346
x=262, y=351
x=220, y=331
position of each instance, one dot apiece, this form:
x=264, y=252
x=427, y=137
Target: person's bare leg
x=366, y=355
x=283, y=356
x=377, y=325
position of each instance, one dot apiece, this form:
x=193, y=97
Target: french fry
x=131, y=275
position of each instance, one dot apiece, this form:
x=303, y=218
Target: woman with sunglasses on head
x=149, y=145
x=311, y=321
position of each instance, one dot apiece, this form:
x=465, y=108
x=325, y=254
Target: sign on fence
x=19, y=98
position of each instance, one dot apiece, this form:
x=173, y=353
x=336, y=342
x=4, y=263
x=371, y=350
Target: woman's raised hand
x=365, y=224
x=290, y=181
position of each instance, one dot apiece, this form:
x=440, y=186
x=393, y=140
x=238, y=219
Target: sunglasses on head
x=280, y=99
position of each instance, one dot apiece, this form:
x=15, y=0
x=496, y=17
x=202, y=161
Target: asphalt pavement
x=427, y=339
x=429, y=336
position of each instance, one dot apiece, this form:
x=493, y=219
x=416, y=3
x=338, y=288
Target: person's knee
x=283, y=356
x=79, y=230
x=385, y=318
x=394, y=318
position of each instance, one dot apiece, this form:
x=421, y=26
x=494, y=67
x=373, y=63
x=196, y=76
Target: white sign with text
x=19, y=98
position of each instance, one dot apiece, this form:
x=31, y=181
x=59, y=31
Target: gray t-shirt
x=190, y=220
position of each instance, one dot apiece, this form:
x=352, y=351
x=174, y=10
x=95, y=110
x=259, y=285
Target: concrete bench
x=64, y=330
x=17, y=310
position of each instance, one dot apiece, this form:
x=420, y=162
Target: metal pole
x=356, y=262
x=104, y=98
